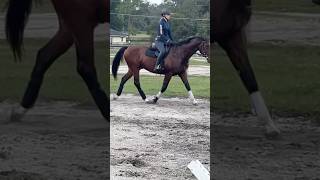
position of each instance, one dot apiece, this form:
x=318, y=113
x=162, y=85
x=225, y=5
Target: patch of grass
x=152, y=85
x=61, y=82
x=301, y=6
x=288, y=77
x=199, y=63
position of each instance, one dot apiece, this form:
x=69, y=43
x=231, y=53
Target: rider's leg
x=161, y=48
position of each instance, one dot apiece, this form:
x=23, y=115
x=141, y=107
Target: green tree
x=185, y=21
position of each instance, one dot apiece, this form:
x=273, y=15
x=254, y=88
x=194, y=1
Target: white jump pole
x=198, y=170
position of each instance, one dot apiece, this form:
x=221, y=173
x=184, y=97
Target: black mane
x=186, y=41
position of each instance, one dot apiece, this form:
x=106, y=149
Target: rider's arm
x=162, y=36
x=161, y=29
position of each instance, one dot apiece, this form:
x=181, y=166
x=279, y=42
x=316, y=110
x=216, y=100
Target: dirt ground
x=56, y=140
x=158, y=141
x=241, y=150
x=46, y=25
x=285, y=28
x=264, y=27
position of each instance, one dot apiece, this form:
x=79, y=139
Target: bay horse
x=228, y=22
x=175, y=63
x=77, y=21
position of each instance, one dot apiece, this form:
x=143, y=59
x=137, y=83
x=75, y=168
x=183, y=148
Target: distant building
x=118, y=38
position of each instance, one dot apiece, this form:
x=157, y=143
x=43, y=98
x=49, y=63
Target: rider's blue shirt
x=164, y=31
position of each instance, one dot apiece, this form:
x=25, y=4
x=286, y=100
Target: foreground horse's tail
x=16, y=20
x=116, y=61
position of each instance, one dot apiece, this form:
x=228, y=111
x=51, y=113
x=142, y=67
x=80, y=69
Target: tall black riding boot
x=158, y=67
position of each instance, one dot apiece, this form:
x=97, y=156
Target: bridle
x=205, y=55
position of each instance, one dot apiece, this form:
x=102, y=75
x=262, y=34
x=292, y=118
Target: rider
x=163, y=38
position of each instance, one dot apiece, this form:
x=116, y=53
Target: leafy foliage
x=190, y=17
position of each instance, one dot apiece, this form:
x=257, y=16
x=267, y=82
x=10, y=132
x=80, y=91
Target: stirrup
x=158, y=68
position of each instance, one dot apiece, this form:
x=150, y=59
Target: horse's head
x=194, y=44
x=204, y=49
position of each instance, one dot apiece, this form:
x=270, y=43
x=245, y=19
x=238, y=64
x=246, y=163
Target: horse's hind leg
x=164, y=87
x=86, y=68
x=124, y=79
x=237, y=52
x=185, y=81
x=59, y=44
x=137, y=84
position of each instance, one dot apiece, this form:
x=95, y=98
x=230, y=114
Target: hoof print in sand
x=134, y=162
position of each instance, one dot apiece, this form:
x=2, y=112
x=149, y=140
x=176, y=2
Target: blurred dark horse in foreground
x=77, y=21
x=228, y=21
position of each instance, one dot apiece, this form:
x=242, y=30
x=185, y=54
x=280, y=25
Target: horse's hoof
x=254, y=112
x=115, y=97
x=272, y=132
x=195, y=103
x=16, y=114
x=153, y=101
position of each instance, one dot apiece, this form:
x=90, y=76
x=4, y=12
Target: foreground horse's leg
x=58, y=45
x=137, y=84
x=184, y=78
x=86, y=68
x=237, y=51
x=124, y=79
x=165, y=84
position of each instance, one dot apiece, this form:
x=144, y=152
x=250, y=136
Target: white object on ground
x=198, y=170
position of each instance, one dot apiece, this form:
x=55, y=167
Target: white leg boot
x=191, y=97
x=263, y=114
x=159, y=95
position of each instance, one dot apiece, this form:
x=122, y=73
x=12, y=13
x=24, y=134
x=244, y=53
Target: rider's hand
x=170, y=42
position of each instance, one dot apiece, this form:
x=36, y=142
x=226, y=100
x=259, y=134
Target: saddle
x=153, y=52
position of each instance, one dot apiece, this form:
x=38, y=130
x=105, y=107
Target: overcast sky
x=155, y=1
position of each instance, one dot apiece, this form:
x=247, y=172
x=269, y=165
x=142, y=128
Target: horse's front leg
x=237, y=52
x=184, y=78
x=165, y=84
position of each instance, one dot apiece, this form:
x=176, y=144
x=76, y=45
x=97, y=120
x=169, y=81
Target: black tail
x=116, y=61
x=16, y=20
